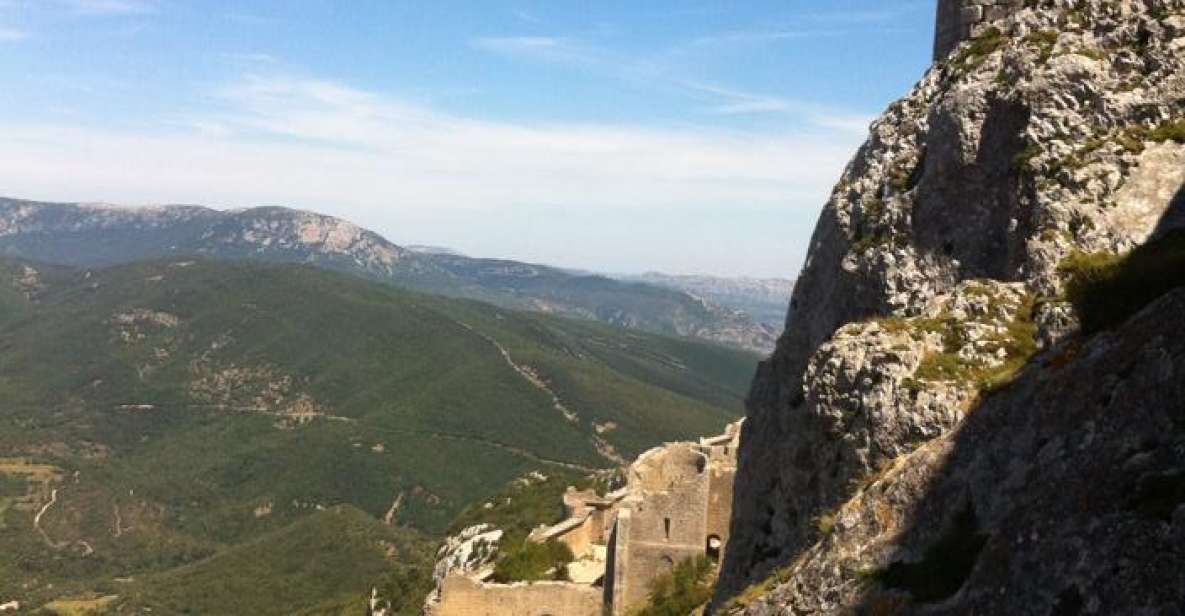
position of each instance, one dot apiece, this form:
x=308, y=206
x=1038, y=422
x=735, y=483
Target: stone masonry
x=676, y=505
x=958, y=20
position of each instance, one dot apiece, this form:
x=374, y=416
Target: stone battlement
x=676, y=505
x=957, y=20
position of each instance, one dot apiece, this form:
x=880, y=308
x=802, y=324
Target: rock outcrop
x=886, y=414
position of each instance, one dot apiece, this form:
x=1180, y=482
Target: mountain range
x=764, y=299
x=98, y=235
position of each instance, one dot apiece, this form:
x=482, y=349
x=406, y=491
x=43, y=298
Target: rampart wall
x=462, y=596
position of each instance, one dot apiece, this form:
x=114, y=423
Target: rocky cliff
x=931, y=395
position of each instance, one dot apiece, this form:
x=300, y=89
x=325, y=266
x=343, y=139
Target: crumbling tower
x=959, y=20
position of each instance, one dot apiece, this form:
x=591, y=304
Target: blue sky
x=698, y=137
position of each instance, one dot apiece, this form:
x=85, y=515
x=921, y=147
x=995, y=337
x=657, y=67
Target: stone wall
x=957, y=20
x=678, y=508
x=462, y=596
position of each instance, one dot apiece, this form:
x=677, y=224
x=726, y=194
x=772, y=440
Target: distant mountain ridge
x=93, y=235
x=764, y=299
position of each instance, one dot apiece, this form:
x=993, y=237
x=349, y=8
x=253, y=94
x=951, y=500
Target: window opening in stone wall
x=713, y=548
x=666, y=524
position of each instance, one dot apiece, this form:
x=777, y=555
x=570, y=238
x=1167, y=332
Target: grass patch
x=405, y=589
x=682, y=590
x=525, y=504
x=756, y=591
x=18, y=467
x=335, y=554
x=80, y=607
x=1044, y=40
x=1017, y=339
x=534, y=562
x=1106, y=289
x=825, y=523
x=1134, y=137
x=978, y=50
x=946, y=564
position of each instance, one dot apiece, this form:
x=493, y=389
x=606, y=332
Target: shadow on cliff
x=1061, y=493
x=1174, y=216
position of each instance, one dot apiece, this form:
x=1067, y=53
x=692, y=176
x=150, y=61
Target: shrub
x=978, y=50
x=1045, y=40
x=1020, y=162
x=1169, y=131
x=1106, y=289
x=680, y=591
x=534, y=562
x=825, y=523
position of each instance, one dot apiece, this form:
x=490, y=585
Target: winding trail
x=53, y=499
x=529, y=374
x=87, y=548
x=603, y=447
x=117, y=531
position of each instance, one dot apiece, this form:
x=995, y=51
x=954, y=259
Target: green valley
x=173, y=432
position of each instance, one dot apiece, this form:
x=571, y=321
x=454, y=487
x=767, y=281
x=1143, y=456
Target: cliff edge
x=932, y=393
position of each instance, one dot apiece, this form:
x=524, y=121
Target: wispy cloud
x=720, y=100
x=8, y=35
x=761, y=36
x=527, y=16
x=249, y=19
x=548, y=49
x=817, y=24
x=736, y=102
x=109, y=7
x=896, y=11
x=282, y=139
x=249, y=58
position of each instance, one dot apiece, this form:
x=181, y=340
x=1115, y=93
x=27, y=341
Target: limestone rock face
x=1055, y=127
x=467, y=552
x=1073, y=480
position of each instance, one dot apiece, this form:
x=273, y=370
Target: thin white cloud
x=305, y=141
x=760, y=36
x=549, y=49
x=632, y=197
x=109, y=7
x=8, y=35
x=247, y=57
x=517, y=44
x=249, y=19
x=861, y=17
x=723, y=100
x=736, y=102
x=526, y=16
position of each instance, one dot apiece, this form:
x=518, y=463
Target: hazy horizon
x=595, y=138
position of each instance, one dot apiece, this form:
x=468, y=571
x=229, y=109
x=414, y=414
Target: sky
x=617, y=136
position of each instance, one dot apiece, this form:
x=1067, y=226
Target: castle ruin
x=676, y=505
x=959, y=20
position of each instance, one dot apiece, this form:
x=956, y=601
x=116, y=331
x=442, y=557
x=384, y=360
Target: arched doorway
x=712, y=549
